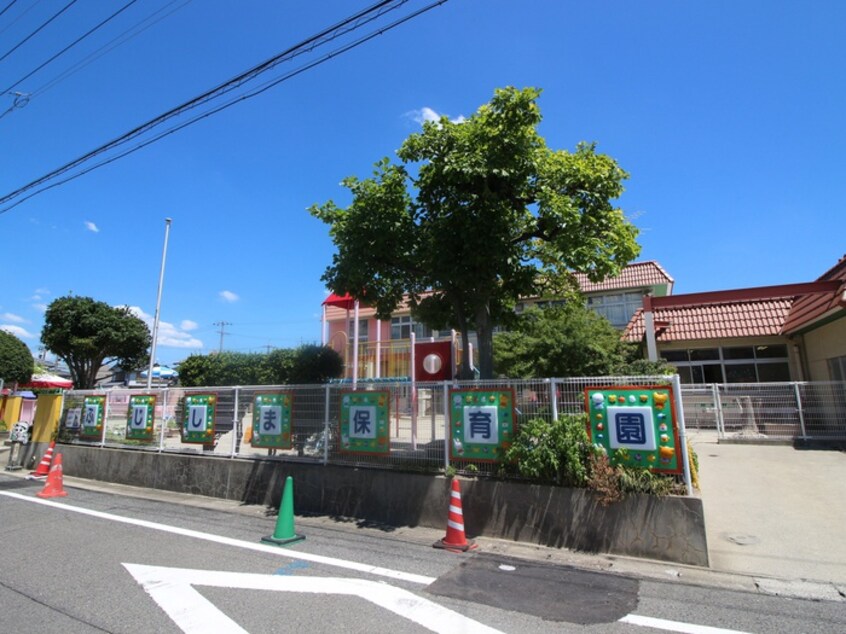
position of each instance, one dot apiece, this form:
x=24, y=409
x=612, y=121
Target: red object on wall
x=433, y=361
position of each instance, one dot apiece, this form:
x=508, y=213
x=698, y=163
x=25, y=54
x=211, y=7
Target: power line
x=72, y=44
x=36, y=31
x=21, y=16
x=192, y=104
x=7, y=7
x=120, y=40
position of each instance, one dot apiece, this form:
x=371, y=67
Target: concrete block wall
x=664, y=528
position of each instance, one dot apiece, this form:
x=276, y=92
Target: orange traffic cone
x=43, y=467
x=455, y=539
x=54, y=488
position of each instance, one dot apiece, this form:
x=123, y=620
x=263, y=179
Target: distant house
x=775, y=333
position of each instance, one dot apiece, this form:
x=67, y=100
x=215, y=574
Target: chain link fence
x=418, y=414
x=768, y=411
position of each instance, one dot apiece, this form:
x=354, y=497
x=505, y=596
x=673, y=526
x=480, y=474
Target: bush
x=555, y=451
x=613, y=482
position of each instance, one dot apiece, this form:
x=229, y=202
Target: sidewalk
x=773, y=510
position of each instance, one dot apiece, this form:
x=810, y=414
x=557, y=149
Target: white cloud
x=40, y=307
x=91, y=226
x=169, y=335
x=13, y=318
x=17, y=331
x=427, y=114
x=187, y=324
x=228, y=296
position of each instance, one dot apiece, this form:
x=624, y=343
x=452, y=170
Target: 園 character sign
x=140, y=417
x=636, y=425
x=364, y=422
x=198, y=422
x=481, y=424
x=93, y=415
x=272, y=420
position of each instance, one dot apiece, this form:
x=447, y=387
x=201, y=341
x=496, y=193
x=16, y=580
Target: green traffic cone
x=284, y=533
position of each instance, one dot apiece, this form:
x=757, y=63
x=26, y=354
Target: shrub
x=553, y=451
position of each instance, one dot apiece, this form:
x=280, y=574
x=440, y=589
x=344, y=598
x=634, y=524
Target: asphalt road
x=101, y=562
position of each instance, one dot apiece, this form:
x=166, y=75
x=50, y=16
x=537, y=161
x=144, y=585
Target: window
x=401, y=327
x=617, y=308
x=362, y=330
x=731, y=364
x=837, y=368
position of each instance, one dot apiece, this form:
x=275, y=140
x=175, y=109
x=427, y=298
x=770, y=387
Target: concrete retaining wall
x=666, y=528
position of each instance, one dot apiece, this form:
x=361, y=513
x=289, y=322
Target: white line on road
x=173, y=590
x=675, y=626
x=228, y=541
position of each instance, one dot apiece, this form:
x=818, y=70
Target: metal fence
x=418, y=414
x=768, y=411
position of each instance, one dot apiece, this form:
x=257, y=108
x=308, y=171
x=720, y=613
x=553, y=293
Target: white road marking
x=675, y=626
x=173, y=590
x=228, y=541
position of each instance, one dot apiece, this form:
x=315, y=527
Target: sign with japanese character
x=198, y=423
x=272, y=421
x=140, y=417
x=365, y=417
x=93, y=415
x=636, y=425
x=481, y=424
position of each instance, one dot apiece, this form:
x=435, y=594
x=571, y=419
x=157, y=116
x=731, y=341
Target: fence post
x=796, y=391
x=236, y=438
x=553, y=398
x=682, y=433
x=718, y=405
x=326, y=427
x=105, y=420
x=447, y=438
x=164, y=421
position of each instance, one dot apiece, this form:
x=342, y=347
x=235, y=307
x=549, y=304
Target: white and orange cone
x=455, y=539
x=43, y=467
x=54, y=487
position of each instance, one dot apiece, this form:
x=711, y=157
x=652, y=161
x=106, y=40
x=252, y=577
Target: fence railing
x=417, y=428
x=419, y=413
x=768, y=411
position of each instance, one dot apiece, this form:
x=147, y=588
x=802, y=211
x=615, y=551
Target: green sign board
x=93, y=415
x=636, y=425
x=198, y=425
x=140, y=417
x=272, y=421
x=365, y=416
x=481, y=424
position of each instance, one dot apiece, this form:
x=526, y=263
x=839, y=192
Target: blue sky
x=727, y=115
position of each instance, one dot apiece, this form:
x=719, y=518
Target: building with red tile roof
x=794, y=331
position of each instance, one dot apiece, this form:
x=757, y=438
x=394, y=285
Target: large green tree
x=86, y=334
x=566, y=341
x=16, y=363
x=476, y=215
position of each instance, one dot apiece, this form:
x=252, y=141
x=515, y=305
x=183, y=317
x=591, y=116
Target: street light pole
x=158, y=307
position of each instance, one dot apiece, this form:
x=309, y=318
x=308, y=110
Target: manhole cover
x=741, y=539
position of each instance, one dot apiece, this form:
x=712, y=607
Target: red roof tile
x=635, y=275
x=809, y=308
x=753, y=318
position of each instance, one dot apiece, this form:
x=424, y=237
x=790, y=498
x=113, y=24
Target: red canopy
x=340, y=301
x=48, y=381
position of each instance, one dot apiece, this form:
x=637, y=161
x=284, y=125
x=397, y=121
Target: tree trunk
x=484, y=334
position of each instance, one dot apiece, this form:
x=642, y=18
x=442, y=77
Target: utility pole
x=222, y=331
